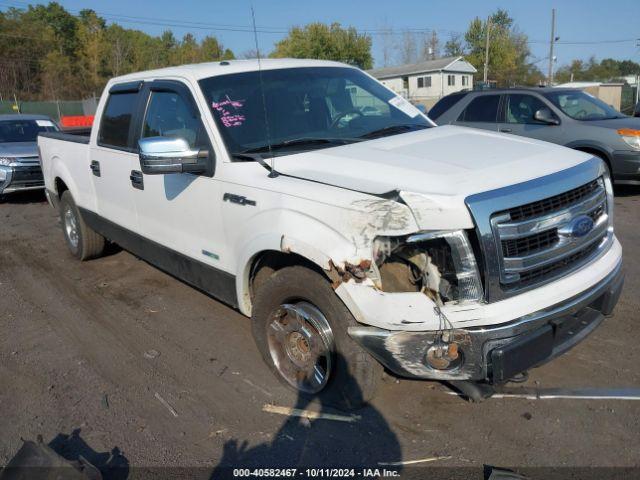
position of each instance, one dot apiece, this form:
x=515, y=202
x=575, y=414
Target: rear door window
x=116, y=120
x=443, y=105
x=481, y=109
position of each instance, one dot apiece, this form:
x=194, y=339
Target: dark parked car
x=567, y=117
x=19, y=161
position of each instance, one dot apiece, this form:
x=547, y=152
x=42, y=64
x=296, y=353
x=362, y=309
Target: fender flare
x=61, y=171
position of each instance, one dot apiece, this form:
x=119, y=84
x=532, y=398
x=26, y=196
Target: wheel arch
x=595, y=149
x=276, y=251
x=60, y=186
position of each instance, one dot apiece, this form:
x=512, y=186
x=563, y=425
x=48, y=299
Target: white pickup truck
x=352, y=231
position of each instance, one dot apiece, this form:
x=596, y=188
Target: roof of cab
x=210, y=69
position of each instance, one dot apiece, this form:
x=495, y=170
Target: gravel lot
x=116, y=361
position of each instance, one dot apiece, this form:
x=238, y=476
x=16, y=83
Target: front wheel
x=300, y=327
x=83, y=242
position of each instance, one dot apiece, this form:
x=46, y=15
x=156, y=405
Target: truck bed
x=79, y=136
x=65, y=161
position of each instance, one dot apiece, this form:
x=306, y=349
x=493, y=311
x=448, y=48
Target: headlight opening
x=439, y=264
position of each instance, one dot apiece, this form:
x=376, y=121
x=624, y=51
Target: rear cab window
x=483, y=108
x=116, y=121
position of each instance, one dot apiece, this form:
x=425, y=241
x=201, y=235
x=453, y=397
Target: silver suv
x=567, y=117
x=19, y=160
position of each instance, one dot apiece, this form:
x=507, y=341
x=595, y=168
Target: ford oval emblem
x=580, y=226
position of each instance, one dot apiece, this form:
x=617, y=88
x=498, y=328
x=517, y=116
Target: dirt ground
x=118, y=362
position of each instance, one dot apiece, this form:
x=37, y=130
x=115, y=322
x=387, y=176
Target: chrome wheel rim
x=71, y=227
x=301, y=346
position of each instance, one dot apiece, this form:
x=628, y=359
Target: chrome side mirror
x=545, y=115
x=159, y=155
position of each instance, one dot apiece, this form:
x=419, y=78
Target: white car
x=353, y=241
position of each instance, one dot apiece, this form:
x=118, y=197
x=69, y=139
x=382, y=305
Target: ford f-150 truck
x=352, y=231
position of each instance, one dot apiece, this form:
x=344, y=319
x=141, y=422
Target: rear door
x=481, y=112
x=112, y=156
x=518, y=118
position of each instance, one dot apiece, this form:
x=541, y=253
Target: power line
x=187, y=24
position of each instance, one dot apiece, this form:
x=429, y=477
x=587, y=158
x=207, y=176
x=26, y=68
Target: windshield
x=582, y=106
x=305, y=108
x=24, y=130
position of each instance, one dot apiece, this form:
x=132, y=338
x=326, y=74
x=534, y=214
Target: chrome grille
x=529, y=233
x=28, y=160
x=535, y=275
x=529, y=244
x=537, y=239
x=554, y=203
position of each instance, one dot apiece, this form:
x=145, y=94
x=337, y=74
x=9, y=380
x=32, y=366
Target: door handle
x=95, y=168
x=137, y=180
x=505, y=130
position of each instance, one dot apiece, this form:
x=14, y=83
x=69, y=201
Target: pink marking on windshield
x=227, y=112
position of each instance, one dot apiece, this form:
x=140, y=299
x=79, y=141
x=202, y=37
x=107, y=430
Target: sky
x=589, y=27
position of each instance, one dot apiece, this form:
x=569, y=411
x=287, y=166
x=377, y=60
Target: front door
x=518, y=119
x=181, y=211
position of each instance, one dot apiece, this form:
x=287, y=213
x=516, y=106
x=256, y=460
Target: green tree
x=48, y=53
x=90, y=54
x=607, y=69
x=25, y=42
x=508, y=50
x=118, y=50
x=326, y=42
x=454, y=47
x=63, y=24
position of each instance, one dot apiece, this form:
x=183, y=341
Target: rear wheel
x=83, y=242
x=300, y=327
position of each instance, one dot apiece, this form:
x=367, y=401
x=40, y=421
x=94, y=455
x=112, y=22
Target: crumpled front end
x=485, y=302
x=494, y=353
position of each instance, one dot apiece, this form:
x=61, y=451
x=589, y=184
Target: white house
x=426, y=82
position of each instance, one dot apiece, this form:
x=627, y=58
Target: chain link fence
x=54, y=109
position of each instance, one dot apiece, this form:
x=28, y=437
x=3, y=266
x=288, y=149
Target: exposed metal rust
x=339, y=275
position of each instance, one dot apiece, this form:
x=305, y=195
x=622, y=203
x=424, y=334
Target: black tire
x=85, y=243
x=354, y=374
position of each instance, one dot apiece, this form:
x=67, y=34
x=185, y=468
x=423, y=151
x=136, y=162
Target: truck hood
x=434, y=170
x=446, y=160
x=19, y=149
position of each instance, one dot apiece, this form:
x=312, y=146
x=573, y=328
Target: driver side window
x=168, y=115
x=521, y=109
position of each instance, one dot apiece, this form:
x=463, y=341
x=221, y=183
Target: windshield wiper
x=254, y=157
x=393, y=129
x=301, y=142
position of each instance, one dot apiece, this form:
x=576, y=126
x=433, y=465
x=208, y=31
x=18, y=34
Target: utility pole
x=486, y=52
x=637, y=78
x=551, y=43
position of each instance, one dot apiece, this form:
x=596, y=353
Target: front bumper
x=495, y=354
x=20, y=178
x=626, y=167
